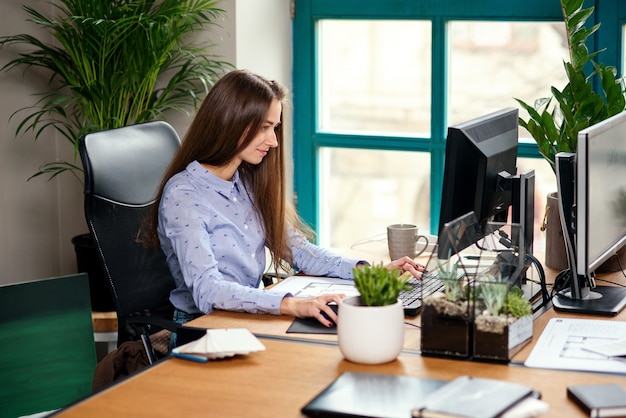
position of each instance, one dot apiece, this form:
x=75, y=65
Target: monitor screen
x=601, y=193
x=592, y=208
x=479, y=153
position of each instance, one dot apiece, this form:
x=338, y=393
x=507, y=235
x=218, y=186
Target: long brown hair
x=228, y=119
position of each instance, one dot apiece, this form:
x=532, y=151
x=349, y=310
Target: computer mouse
x=335, y=309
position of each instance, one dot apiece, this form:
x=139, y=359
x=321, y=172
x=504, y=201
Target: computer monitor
x=480, y=176
x=592, y=206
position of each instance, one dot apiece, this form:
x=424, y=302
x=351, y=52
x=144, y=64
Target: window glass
x=491, y=63
x=374, y=77
x=623, y=50
x=362, y=191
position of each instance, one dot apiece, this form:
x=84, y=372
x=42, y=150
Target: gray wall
x=39, y=217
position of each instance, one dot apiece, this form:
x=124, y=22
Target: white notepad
x=220, y=343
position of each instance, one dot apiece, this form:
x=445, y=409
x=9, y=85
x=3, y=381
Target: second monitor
x=481, y=176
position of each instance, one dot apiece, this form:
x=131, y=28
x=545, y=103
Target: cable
x=545, y=297
x=376, y=238
x=619, y=263
x=561, y=282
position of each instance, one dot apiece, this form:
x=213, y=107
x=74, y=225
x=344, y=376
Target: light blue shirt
x=215, y=246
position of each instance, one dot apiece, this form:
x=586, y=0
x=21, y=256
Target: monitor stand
x=602, y=300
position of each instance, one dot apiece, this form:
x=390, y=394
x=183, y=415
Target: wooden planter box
x=498, y=339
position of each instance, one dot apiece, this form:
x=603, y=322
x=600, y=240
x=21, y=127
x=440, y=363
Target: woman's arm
x=317, y=261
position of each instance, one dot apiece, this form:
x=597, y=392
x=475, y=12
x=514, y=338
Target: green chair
x=47, y=343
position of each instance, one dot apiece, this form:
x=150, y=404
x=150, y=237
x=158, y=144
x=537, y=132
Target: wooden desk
x=296, y=367
x=279, y=381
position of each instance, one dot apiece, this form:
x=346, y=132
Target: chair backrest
x=123, y=168
x=48, y=350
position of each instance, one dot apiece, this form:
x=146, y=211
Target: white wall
x=264, y=46
x=39, y=218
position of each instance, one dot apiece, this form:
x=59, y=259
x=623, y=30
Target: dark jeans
x=180, y=317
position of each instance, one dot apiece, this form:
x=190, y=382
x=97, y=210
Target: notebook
x=473, y=397
x=371, y=395
x=219, y=343
x=599, y=400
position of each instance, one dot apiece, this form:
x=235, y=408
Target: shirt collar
x=212, y=181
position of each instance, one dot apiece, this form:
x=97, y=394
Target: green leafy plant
x=114, y=63
x=453, y=284
x=554, y=122
x=378, y=285
x=499, y=299
x=493, y=291
x=515, y=304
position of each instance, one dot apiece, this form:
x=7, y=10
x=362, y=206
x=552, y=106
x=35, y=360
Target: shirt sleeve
x=317, y=261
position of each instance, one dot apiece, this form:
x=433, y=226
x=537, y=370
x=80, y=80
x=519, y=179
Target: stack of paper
x=595, y=345
x=220, y=343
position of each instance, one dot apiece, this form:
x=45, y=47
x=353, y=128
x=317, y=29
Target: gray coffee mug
x=402, y=240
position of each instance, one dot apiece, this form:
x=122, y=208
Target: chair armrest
x=184, y=333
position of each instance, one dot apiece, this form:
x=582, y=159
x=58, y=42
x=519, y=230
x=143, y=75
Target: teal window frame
x=308, y=140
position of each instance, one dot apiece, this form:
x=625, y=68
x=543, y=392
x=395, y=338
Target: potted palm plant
x=370, y=327
x=112, y=64
x=554, y=121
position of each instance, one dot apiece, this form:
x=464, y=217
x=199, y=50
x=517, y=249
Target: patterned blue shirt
x=215, y=246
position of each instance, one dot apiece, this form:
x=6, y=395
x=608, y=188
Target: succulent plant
x=515, y=304
x=378, y=285
x=493, y=291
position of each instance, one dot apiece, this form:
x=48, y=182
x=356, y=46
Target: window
x=374, y=77
x=377, y=84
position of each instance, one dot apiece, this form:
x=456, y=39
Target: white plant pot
x=370, y=334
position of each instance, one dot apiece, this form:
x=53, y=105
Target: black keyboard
x=412, y=299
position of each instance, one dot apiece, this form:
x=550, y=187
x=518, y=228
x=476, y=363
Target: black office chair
x=123, y=169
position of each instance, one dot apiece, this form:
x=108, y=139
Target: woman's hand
x=408, y=264
x=316, y=307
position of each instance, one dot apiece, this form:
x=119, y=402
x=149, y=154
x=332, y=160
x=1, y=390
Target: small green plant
x=499, y=299
x=452, y=283
x=493, y=291
x=515, y=304
x=378, y=285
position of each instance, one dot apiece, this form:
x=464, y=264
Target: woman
x=222, y=201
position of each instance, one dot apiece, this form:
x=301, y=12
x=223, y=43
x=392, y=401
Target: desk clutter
x=322, y=383
x=389, y=396
x=220, y=343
